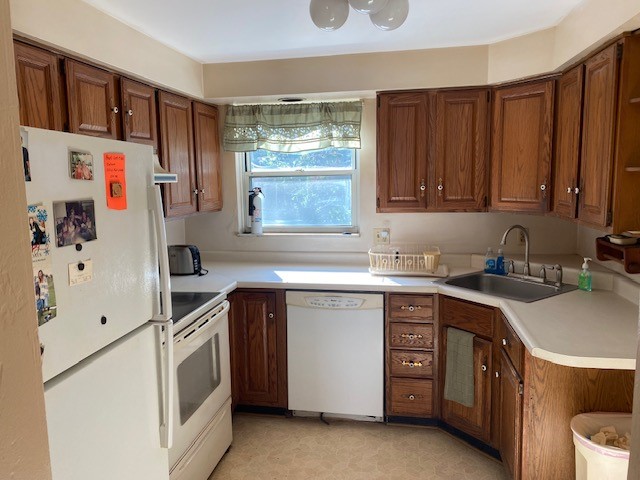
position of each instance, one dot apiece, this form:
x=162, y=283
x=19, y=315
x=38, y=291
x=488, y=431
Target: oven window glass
x=198, y=377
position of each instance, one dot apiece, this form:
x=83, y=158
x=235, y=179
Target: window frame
x=245, y=175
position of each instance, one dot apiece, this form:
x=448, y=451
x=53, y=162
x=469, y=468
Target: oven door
x=202, y=377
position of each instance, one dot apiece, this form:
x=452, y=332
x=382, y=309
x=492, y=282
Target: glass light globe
x=391, y=16
x=368, y=6
x=329, y=15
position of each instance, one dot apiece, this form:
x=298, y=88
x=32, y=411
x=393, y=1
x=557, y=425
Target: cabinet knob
x=543, y=189
x=569, y=190
x=411, y=397
x=115, y=109
x=411, y=364
x=195, y=191
x=130, y=112
x=497, y=374
x=202, y=191
x=504, y=342
x=576, y=190
x=411, y=308
x=270, y=315
x=440, y=187
x=411, y=336
x=423, y=187
x=484, y=368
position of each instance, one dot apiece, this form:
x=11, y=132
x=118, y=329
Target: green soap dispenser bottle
x=584, y=279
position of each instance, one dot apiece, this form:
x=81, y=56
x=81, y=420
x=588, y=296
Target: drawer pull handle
x=497, y=374
x=504, y=342
x=411, y=336
x=411, y=308
x=484, y=368
x=411, y=397
x=411, y=364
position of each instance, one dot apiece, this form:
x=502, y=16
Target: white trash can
x=594, y=461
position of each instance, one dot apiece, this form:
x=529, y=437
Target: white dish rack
x=406, y=259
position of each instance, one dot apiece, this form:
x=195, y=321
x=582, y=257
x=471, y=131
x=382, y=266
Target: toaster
x=184, y=260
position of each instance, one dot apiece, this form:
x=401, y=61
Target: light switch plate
x=381, y=236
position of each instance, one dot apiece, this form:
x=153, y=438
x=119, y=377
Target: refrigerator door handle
x=166, y=347
x=155, y=201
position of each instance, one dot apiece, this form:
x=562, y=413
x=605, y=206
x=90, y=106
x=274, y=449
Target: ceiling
x=213, y=31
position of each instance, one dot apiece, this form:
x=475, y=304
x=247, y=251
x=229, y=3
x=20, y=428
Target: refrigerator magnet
x=115, y=181
x=40, y=232
x=24, y=141
x=80, y=272
x=44, y=290
x=80, y=165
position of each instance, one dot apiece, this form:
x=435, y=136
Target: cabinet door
x=39, y=88
x=208, y=166
x=460, y=176
x=93, y=106
x=567, y=148
x=598, y=121
x=511, y=396
x=521, y=147
x=257, y=360
x=139, y=112
x=476, y=420
x=402, y=152
x=176, y=140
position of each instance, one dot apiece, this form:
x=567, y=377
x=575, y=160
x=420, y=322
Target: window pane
x=305, y=200
x=325, y=159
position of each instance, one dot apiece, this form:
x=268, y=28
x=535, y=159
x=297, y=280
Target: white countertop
x=579, y=329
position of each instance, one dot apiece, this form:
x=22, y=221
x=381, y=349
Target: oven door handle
x=166, y=348
x=188, y=335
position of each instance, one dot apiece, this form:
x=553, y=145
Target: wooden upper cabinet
x=93, y=105
x=461, y=149
x=567, y=146
x=40, y=89
x=402, y=152
x=598, y=125
x=176, y=138
x=521, y=147
x=208, y=157
x=139, y=109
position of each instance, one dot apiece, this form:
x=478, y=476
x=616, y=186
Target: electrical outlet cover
x=381, y=236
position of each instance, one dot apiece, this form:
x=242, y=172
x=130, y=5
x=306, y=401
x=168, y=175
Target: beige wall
x=175, y=232
x=77, y=27
x=453, y=232
x=24, y=451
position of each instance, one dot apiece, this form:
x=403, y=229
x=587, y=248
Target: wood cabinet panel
x=511, y=402
x=402, y=152
x=40, y=91
x=598, y=123
x=139, y=109
x=410, y=397
x=93, y=105
x=208, y=157
x=176, y=137
x=568, y=141
x=461, y=150
x=476, y=420
x=510, y=342
x=411, y=308
x=411, y=364
x=467, y=316
x=407, y=335
x=259, y=348
x=521, y=147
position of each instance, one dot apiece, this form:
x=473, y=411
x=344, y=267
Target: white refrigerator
x=100, y=269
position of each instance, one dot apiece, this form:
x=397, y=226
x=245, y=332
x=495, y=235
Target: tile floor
x=278, y=448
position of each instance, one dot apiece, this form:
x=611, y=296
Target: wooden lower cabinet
x=258, y=336
x=510, y=400
x=411, y=356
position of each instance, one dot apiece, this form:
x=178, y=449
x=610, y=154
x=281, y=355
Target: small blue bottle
x=500, y=263
x=489, y=261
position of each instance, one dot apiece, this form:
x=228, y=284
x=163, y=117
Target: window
x=311, y=191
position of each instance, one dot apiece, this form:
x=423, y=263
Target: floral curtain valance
x=292, y=128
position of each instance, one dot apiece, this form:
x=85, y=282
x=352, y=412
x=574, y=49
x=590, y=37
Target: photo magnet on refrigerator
x=80, y=165
x=43, y=285
x=80, y=272
x=75, y=222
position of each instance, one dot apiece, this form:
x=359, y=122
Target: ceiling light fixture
x=330, y=15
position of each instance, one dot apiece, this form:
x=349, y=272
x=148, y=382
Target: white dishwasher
x=335, y=347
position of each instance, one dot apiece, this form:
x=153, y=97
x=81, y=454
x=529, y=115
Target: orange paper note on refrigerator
x=115, y=181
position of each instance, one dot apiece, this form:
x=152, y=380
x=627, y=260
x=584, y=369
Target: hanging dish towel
x=458, y=382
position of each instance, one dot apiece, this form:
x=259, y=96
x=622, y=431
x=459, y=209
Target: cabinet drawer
x=467, y=316
x=411, y=308
x=411, y=397
x=510, y=342
x=411, y=364
x=409, y=335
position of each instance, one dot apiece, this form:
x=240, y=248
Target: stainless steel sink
x=513, y=288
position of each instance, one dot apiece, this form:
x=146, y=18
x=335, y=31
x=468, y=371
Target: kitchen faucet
x=526, y=245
